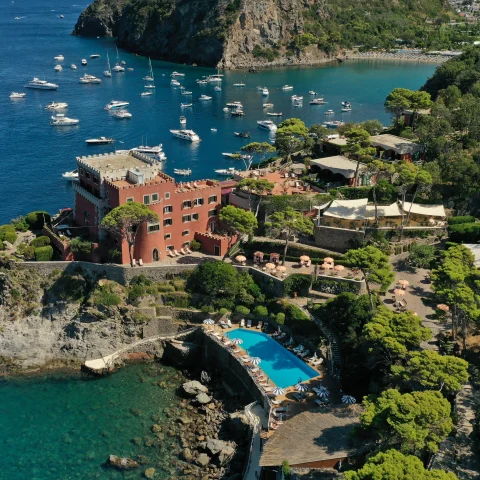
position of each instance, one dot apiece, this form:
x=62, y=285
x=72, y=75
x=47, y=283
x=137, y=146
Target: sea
x=34, y=154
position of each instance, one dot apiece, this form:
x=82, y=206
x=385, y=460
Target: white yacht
x=346, y=109
x=150, y=86
x=89, y=79
x=329, y=112
x=226, y=171
x=17, y=95
x=275, y=114
x=71, y=176
x=73, y=66
x=265, y=92
x=174, y=83
x=41, y=84
x=267, y=125
x=238, y=112
x=56, y=106
x=186, y=135
x=215, y=78
x=234, y=105
x=59, y=58
x=149, y=77
x=186, y=105
x=296, y=98
x=58, y=68
x=311, y=92
x=183, y=120
x=155, y=152
x=334, y=124
x=177, y=74
x=122, y=114
x=118, y=66
x=287, y=87
x=94, y=55
x=217, y=88
x=145, y=94
x=239, y=85
x=182, y=171
x=99, y=141
x=84, y=61
x=317, y=101
x=186, y=92
x=202, y=82
x=204, y=97
x=60, y=120
x=116, y=104
x=267, y=105
x=108, y=71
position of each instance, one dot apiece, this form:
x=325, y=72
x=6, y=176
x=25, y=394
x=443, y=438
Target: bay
x=35, y=154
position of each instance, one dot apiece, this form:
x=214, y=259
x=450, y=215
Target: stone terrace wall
x=336, y=238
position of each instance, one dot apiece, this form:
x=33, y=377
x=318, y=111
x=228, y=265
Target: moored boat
x=84, y=61
x=242, y=134
x=56, y=106
x=182, y=171
x=121, y=114
x=59, y=58
x=71, y=176
x=333, y=124
x=99, y=141
x=204, y=98
x=317, y=101
x=275, y=114
x=116, y=104
x=14, y=95
x=183, y=120
x=58, y=68
x=287, y=87
x=189, y=135
x=60, y=120
x=267, y=125
x=225, y=171
x=89, y=79
x=94, y=55
x=329, y=112
x=145, y=94
x=41, y=84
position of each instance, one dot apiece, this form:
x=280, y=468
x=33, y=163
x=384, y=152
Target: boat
x=311, y=92
x=234, y=105
x=185, y=92
x=217, y=88
x=150, y=86
x=99, y=141
x=73, y=66
x=214, y=78
x=71, y=176
x=259, y=89
x=56, y=106
x=58, y=68
x=296, y=97
x=17, y=95
x=267, y=125
x=84, y=61
x=242, y=134
x=183, y=120
x=174, y=83
x=89, y=79
x=298, y=104
x=204, y=97
x=94, y=55
x=334, y=124
x=346, y=109
x=116, y=104
x=145, y=94
x=275, y=114
x=213, y=129
x=62, y=16
x=239, y=85
x=346, y=104
x=329, y=112
x=149, y=77
x=225, y=171
x=202, y=82
x=287, y=87
x=177, y=74
x=317, y=101
x=238, y=113
x=267, y=105
x=155, y=152
x=186, y=105
x=122, y=114
x=123, y=62
x=59, y=58
x=60, y=120
x=118, y=65
x=108, y=71
x=186, y=135
x=182, y=171
x=265, y=92
x=41, y=84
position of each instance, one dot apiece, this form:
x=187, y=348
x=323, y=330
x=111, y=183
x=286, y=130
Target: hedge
x=297, y=283
x=464, y=232
x=335, y=287
x=354, y=193
x=177, y=300
x=461, y=219
x=37, y=219
x=240, y=309
x=7, y=233
x=44, y=254
x=41, y=241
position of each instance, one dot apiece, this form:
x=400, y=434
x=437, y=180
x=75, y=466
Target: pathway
x=258, y=419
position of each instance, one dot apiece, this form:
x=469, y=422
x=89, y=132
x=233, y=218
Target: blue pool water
x=280, y=365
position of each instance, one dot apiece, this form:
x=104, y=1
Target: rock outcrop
x=122, y=463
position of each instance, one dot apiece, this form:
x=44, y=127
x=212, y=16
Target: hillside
x=244, y=33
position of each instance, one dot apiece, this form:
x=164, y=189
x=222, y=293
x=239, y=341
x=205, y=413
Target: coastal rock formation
x=122, y=463
x=193, y=388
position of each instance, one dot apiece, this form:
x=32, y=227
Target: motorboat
x=275, y=114
x=202, y=82
x=242, y=134
x=329, y=112
x=87, y=79
x=122, y=114
x=118, y=65
x=334, y=124
x=56, y=106
x=58, y=68
x=238, y=113
x=60, y=120
x=317, y=101
x=267, y=125
x=156, y=152
x=298, y=104
x=186, y=105
x=186, y=135
x=265, y=92
x=226, y=110
x=149, y=77
x=41, y=84
x=182, y=171
x=311, y=92
x=174, y=83
x=346, y=104
x=99, y=141
x=130, y=69
x=84, y=61
x=73, y=66
x=108, y=71
x=186, y=92
x=346, y=109
x=214, y=78
x=183, y=120
x=296, y=97
x=59, y=58
x=267, y=105
x=150, y=86
x=123, y=62
x=239, y=85
x=287, y=87
x=145, y=94
x=259, y=89
x=204, y=97
x=213, y=129
x=61, y=16
x=234, y=105
x=17, y=95
x=116, y=104
x=177, y=74
x=225, y=171
x=217, y=88
x=71, y=176
x=94, y=55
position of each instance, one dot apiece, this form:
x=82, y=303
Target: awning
x=348, y=209
x=384, y=211
x=428, y=210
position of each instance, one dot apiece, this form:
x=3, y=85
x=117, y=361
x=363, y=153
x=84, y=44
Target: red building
x=186, y=210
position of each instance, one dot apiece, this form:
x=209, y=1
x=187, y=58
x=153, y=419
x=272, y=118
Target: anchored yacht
x=58, y=68
x=56, y=106
x=17, y=95
x=41, y=84
x=122, y=114
x=155, y=152
x=186, y=135
x=99, y=141
x=59, y=58
x=89, y=79
x=116, y=104
x=60, y=120
x=267, y=125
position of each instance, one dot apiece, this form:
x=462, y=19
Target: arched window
x=156, y=256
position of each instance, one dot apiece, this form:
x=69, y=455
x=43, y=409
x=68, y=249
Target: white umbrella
x=349, y=400
x=208, y=321
x=256, y=360
x=278, y=391
x=301, y=387
x=236, y=341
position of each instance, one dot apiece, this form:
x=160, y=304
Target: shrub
x=140, y=280
x=224, y=303
x=7, y=233
x=104, y=295
x=181, y=300
x=36, y=220
x=135, y=293
x=165, y=287
x=241, y=310
x=114, y=255
x=461, y=219
x=464, y=232
x=79, y=245
x=421, y=256
x=280, y=318
x=20, y=224
x=334, y=286
x=207, y=309
x=27, y=251
x=179, y=285
x=260, y=311
x=41, y=241
x=299, y=283
x=223, y=311
x=195, y=245
x=44, y=254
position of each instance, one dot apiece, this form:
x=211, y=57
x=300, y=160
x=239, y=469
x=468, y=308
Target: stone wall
x=161, y=325
x=266, y=281
x=336, y=239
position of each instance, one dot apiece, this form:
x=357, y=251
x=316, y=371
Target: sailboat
x=149, y=77
x=118, y=66
x=108, y=72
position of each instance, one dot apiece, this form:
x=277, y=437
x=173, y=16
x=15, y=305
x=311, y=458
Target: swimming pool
x=279, y=364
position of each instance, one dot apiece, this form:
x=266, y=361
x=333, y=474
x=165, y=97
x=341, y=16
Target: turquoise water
x=62, y=427
x=279, y=364
x=35, y=154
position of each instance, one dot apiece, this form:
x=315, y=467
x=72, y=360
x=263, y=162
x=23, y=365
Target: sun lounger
x=236, y=350
x=140, y=262
x=268, y=389
x=182, y=251
x=249, y=324
x=187, y=249
x=299, y=349
x=277, y=402
x=299, y=398
x=255, y=370
x=176, y=253
x=304, y=353
x=170, y=253
x=242, y=322
x=317, y=362
x=319, y=402
x=229, y=323
x=259, y=324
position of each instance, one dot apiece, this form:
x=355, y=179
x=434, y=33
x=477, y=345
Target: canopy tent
x=321, y=207
x=384, y=211
x=338, y=164
x=348, y=209
x=428, y=210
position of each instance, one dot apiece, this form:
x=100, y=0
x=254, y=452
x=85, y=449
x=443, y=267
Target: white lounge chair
x=187, y=249
x=134, y=263
x=317, y=362
x=182, y=251
x=140, y=262
x=242, y=322
x=229, y=323
x=299, y=349
x=176, y=253
x=170, y=253
x=259, y=324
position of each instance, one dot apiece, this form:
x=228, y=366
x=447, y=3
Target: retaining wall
x=336, y=239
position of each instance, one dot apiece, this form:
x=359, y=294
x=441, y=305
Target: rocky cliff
x=247, y=33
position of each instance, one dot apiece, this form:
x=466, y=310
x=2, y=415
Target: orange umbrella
x=240, y=258
x=326, y=266
x=281, y=268
x=304, y=258
x=399, y=292
x=328, y=260
x=270, y=266
x=404, y=283
x=443, y=307
x=339, y=268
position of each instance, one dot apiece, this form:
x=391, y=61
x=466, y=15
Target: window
x=185, y=233
x=167, y=222
x=198, y=201
x=167, y=195
x=168, y=209
x=87, y=175
x=146, y=199
x=154, y=197
x=130, y=199
x=95, y=180
x=170, y=247
x=212, y=199
x=187, y=204
x=168, y=236
x=186, y=218
x=153, y=227
x=212, y=213
x=195, y=216
x=86, y=214
x=82, y=171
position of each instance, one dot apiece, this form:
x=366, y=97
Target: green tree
x=418, y=100
x=79, y=245
x=359, y=147
x=237, y=222
x=450, y=96
x=125, y=221
x=428, y=370
x=289, y=223
x=319, y=130
x=374, y=266
x=413, y=422
x=394, y=465
x=381, y=171
x=256, y=186
x=373, y=127
x=421, y=256
x=290, y=136
x=397, y=102
x=258, y=148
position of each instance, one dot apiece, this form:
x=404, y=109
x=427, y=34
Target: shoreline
x=402, y=57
